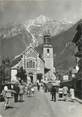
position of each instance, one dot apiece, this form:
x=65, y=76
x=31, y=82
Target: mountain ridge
x=42, y=24
x=63, y=48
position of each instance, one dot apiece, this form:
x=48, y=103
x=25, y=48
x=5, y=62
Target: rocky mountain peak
x=37, y=26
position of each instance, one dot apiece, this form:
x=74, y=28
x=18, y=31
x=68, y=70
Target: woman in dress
x=72, y=95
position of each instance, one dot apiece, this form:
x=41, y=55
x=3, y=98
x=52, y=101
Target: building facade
x=34, y=64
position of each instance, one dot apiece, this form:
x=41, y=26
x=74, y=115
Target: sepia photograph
x=40, y=58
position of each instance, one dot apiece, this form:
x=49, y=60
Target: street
x=40, y=105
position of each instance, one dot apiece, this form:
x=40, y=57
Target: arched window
x=30, y=64
x=47, y=50
x=33, y=64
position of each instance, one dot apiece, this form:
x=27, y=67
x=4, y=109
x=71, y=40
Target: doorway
x=31, y=76
x=39, y=77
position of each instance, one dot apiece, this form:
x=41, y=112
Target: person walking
x=60, y=92
x=72, y=95
x=32, y=91
x=38, y=85
x=6, y=95
x=21, y=92
x=16, y=89
x=53, y=93
x=29, y=89
x=65, y=92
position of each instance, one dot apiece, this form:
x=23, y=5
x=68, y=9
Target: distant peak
x=41, y=19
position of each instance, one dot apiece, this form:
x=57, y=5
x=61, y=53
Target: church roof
x=16, y=60
x=41, y=58
x=30, y=47
x=39, y=49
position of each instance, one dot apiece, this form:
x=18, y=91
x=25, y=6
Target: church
x=36, y=65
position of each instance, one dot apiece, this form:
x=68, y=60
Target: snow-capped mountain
x=41, y=20
x=16, y=37
x=38, y=26
x=35, y=28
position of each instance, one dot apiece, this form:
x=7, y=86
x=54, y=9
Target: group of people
x=62, y=93
x=17, y=91
x=30, y=89
x=66, y=93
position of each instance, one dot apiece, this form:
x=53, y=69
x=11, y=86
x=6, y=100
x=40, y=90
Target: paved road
x=41, y=106
x=66, y=109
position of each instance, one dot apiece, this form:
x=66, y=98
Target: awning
x=55, y=84
x=67, y=83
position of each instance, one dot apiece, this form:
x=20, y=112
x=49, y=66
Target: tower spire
x=47, y=37
x=48, y=51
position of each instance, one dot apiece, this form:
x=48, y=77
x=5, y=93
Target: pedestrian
x=16, y=89
x=29, y=89
x=72, y=95
x=32, y=90
x=26, y=88
x=60, y=92
x=21, y=92
x=38, y=85
x=6, y=95
x=65, y=92
x=53, y=93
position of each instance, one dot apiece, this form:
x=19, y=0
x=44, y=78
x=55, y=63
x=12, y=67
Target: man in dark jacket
x=16, y=88
x=53, y=93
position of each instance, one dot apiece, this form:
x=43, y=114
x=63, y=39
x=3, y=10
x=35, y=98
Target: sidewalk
x=76, y=99
x=65, y=108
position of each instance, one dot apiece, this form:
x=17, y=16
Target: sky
x=22, y=10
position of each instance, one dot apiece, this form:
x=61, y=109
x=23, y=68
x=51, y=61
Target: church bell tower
x=48, y=52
